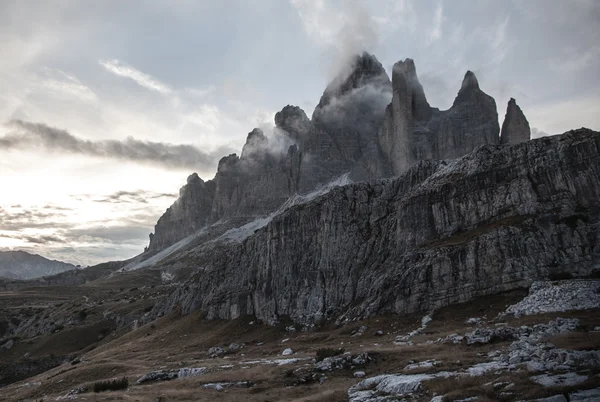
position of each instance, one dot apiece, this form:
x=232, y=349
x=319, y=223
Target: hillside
x=22, y=265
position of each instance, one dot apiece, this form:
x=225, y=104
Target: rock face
x=256, y=183
x=441, y=233
x=345, y=123
x=415, y=131
x=189, y=213
x=22, y=265
x=515, y=128
x=354, y=130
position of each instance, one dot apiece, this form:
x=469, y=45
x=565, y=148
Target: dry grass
x=576, y=340
x=463, y=387
x=173, y=342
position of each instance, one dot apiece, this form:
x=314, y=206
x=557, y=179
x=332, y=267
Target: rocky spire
x=256, y=142
x=189, y=213
x=515, y=128
x=362, y=70
x=294, y=122
x=406, y=83
x=469, y=86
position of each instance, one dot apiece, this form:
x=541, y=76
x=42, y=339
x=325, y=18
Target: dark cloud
x=33, y=239
x=31, y=218
x=133, y=197
x=25, y=135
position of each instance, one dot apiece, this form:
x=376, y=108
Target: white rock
x=482, y=368
x=359, y=374
x=554, y=296
x=423, y=364
x=386, y=385
x=590, y=395
x=559, y=380
x=287, y=352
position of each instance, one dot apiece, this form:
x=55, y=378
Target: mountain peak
x=255, y=143
x=515, y=127
x=469, y=85
x=293, y=121
x=361, y=70
x=406, y=83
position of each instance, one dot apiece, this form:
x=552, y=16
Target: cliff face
x=414, y=131
x=189, y=213
x=364, y=125
x=254, y=184
x=515, y=128
x=441, y=233
x=345, y=123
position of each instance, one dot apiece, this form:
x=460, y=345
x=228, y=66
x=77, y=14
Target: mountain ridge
x=23, y=265
x=364, y=124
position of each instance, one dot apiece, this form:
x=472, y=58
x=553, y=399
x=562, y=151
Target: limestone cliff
x=345, y=123
x=414, y=131
x=364, y=125
x=251, y=185
x=441, y=233
x=515, y=128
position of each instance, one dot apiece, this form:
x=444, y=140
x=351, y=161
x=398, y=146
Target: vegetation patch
x=111, y=385
x=328, y=352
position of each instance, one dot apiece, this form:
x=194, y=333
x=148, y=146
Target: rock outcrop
x=441, y=233
x=190, y=212
x=515, y=128
x=256, y=183
x=414, y=131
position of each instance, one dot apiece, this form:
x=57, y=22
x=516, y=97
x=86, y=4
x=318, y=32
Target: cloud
x=438, y=19
x=537, y=133
x=201, y=93
x=397, y=14
x=14, y=221
x=345, y=31
x=132, y=197
x=26, y=135
x=499, y=40
x=61, y=83
x=575, y=62
x=142, y=79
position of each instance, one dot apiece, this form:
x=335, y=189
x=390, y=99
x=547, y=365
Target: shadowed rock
x=515, y=128
x=413, y=131
x=441, y=233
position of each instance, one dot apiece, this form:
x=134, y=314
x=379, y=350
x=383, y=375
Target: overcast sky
x=106, y=107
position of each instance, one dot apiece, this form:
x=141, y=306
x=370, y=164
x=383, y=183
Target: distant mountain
x=22, y=265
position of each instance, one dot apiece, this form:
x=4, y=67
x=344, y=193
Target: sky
x=107, y=107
